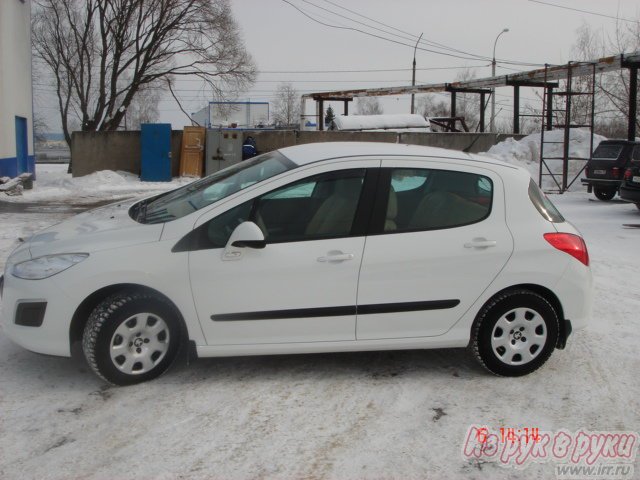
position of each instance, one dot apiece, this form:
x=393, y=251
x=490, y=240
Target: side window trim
x=379, y=210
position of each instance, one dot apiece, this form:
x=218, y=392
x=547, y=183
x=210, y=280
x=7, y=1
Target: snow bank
x=526, y=152
x=54, y=183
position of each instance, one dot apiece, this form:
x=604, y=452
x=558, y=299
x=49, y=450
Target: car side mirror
x=245, y=235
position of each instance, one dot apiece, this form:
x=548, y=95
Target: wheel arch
x=545, y=293
x=81, y=315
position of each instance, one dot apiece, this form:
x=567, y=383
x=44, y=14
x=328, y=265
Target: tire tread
x=101, y=315
x=475, y=344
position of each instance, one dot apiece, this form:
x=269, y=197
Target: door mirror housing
x=247, y=235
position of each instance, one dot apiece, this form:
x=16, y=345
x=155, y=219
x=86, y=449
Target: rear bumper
x=630, y=194
x=596, y=182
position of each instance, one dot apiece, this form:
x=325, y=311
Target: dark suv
x=630, y=188
x=606, y=168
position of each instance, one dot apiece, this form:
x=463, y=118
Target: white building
x=16, y=101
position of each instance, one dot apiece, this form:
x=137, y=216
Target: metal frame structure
x=547, y=78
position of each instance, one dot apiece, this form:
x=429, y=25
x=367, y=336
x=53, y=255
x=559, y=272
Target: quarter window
x=439, y=199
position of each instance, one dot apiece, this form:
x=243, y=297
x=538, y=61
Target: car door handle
x=336, y=257
x=480, y=243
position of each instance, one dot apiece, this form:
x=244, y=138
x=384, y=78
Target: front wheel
x=515, y=333
x=131, y=337
x=604, y=194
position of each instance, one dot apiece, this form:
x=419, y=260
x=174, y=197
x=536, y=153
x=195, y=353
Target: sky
x=282, y=39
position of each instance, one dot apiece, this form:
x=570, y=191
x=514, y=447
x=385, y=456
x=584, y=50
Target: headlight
x=47, y=266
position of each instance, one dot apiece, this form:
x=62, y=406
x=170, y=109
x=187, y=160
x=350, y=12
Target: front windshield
x=204, y=192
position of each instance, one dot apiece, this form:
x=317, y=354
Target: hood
x=100, y=229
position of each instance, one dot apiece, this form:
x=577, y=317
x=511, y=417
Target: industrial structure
x=555, y=110
x=16, y=99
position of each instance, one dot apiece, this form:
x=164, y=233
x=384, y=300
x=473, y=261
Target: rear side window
x=607, y=152
x=636, y=154
x=424, y=199
x=543, y=204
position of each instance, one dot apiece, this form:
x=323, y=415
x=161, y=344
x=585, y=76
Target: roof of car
x=315, y=152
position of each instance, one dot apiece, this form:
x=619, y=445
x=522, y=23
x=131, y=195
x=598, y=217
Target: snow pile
x=401, y=121
x=54, y=183
x=526, y=152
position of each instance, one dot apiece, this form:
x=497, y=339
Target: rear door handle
x=336, y=257
x=480, y=243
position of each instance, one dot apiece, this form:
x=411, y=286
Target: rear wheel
x=604, y=194
x=131, y=338
x=515, y=333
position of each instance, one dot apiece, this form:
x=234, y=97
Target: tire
x=604, y=194
x=515, y=333
x=131, y=338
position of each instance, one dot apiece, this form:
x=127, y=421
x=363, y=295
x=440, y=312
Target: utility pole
x=413, y=79
x=492, y=126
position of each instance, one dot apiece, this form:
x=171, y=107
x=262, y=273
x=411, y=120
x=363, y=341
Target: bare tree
x=368, y=106
x=612, y=88
x=101, y=53
x=143, y=108
x=286, y=109
x=468, y=104
x=432, y=105
x=40, y=127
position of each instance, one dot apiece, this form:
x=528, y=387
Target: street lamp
x=493, y=90
x=413, y=80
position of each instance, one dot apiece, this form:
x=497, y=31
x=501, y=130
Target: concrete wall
x=15, y=83
x=93, y=151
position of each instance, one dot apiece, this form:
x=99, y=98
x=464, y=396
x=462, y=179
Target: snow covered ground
x=54, y=184
x=360, y=415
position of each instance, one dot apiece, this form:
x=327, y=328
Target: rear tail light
x=572, y=244
x=627, y=174
x=586, y=171
x=616, y=172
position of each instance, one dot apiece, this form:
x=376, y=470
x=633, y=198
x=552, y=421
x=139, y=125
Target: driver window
x=322, y=206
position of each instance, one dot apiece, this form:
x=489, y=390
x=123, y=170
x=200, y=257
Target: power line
x=413, y=36
x=370, y=34
x=476, y=58
x=371, y=70
x=583, y=11
x=406, y=35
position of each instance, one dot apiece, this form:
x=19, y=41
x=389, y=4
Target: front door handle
x=336, y=256
x=480, y=243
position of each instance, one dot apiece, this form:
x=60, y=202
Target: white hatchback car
x=314, y=248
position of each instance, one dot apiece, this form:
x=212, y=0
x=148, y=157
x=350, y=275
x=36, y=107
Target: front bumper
x=51, y=337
